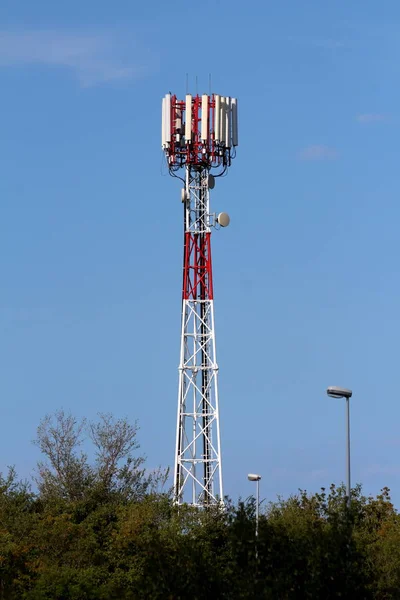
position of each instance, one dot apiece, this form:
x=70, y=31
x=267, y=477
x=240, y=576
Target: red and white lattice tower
x=199, y=137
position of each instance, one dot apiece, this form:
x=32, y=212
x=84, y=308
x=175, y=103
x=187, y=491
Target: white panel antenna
x=167, y=114
x=204, y=118
x=178, y=124
x=217, y=118
x=227, y=122
x=163, y=124
x=222, y=121
x=235, y=136
x=188, y=124
x=178, y=120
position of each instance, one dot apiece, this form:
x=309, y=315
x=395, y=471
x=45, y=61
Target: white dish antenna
x=223, y=219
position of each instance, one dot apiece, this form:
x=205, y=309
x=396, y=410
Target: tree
x=117, y=469
x=67, y=473
x=102, y=529
x=17, y=521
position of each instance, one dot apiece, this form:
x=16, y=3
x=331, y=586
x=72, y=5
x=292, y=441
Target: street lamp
x=338, y=392
x=256, y=478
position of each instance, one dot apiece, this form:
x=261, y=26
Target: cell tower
x=199, y=137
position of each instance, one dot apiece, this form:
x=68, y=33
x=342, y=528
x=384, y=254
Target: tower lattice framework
x=198, y=447
x=199, y=136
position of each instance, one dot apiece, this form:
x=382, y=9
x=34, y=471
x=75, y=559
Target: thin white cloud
x=371, y=118
x=93, y=58
x=317, y=152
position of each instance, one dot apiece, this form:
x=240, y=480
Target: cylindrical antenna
x=204, y=118
x=188, y=123
x=222, y=121
x=217, y=118
x=235, y=135
x=167, y=118
x=163, y=123
x=178, y=120
x=227, y=122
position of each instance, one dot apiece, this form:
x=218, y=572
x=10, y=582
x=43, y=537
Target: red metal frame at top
x=206, y=153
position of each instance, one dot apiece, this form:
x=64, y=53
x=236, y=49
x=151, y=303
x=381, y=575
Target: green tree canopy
x=107, y=529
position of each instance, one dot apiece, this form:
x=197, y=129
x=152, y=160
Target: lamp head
x=337, y=392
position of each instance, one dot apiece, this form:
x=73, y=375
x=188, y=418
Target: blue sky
x=307, y=284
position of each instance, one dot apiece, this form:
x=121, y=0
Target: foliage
x=66, y=473
x=107, y=530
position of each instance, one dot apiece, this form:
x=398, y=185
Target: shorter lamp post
x=256, y=478
x=338, y=392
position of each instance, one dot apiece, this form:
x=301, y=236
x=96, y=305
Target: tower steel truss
x=199, y=134
x=198, y=466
